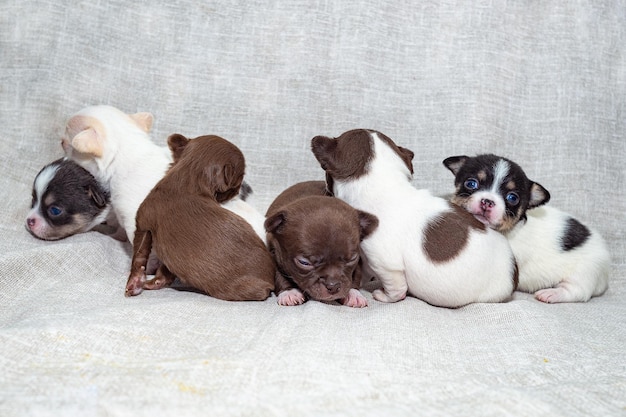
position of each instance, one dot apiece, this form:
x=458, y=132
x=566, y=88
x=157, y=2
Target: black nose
x=333, y=287
x=486, y=203
x=31, y=222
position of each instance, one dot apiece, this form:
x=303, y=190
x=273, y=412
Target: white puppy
x=423, y=244
x=559, y=258
x=116, y=149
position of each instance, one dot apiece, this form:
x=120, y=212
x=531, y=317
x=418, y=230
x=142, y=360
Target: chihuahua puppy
x=116, y=148
x=66, y=200
x=198, y=241
x=559, y=258
x=423, y=245
x=314, y=240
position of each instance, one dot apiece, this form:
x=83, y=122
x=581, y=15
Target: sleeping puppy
x=423, y=244
x=206, y=246
x=559, y=258
x=115, y=147
x=66, y=200
x=314, y=240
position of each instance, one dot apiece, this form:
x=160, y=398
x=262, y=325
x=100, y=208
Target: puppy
x=559, y=258
x=115, y=147
x=314, y=240
x=423, y=244
x=66, y=200
x=197, y=240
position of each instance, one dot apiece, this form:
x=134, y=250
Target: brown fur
x=302, y=222
x=206, y=246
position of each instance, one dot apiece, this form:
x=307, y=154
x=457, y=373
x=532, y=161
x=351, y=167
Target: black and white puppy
x=559, y=258
x=67, y=200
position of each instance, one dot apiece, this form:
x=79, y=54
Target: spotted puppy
x=559, y=258
x=67, y=200
x=314, y=240
x=423, y=245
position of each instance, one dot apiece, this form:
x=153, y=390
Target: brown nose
x=333, y=287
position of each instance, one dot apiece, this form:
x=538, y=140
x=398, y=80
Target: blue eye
x=54, y=211
x=471, y=184
x=512, y=198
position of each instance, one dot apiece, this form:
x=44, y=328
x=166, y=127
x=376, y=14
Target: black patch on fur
x=245, y=191
x=574, y=235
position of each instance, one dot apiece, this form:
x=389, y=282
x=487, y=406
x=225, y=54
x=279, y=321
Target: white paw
x=384, y=297
x=292, y=297
x=355, y=299
x=552, y=295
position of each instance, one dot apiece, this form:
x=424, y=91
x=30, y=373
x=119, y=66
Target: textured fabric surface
x=540, y=83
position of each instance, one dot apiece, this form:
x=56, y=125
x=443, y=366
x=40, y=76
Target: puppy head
x=92, y=135
x=315, y=242
x=66, y=200
x=351, y=155
x=494, y=189
x=216, y=166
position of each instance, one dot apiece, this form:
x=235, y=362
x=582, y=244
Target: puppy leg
x=394, y=286
x=163, y=278
x=286, y=293
x=142, y=246
x=566, y=291
x=354, y=299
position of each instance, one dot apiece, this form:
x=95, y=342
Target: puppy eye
x=353, y=258
x=471, y=184
x=303, y=262
x=54, y=211
x=512, y=198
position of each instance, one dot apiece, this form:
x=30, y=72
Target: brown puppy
x=315, y=241
x=198, y=241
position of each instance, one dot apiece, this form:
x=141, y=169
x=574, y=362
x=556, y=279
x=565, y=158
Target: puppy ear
x=96, y=196
x=274, y=222
x=144, y=120
x=324, y=148
x=407, y=156
x=221, y=182
x=367, y=223
x=177, y=143
x=87, y=142
x=538, y=195
x=454, y=163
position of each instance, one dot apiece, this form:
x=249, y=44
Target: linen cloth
x=542, y=83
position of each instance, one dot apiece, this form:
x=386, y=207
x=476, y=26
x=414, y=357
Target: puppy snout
x=486, y=204
x=333, y=287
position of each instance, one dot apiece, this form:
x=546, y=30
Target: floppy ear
x=367, y=223
x=324, y=148
x=538, y=195
x=87, y=142
x=220, y=182
x=177, y=143
x=274, y=222
x=144, y=120
x=407, y=156
x=96, y=196
x=454, y=163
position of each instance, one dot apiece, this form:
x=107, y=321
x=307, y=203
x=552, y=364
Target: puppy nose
x=333, y=287
x=486, y=203
x=31, y=222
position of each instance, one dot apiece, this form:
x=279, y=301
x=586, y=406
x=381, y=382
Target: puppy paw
x=385, y=297
x=292, y=297
x=355, y=299
x=134, y=285
x=553, y=295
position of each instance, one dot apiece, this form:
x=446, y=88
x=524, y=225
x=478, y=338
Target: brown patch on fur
x=404, y=153
x=324, y=231
x=482, y=175
x=515, y=275
x=206, y=246
x=511, y=185
x=346, y=156
x=447, y=234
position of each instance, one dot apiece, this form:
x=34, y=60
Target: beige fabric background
x=541, y=83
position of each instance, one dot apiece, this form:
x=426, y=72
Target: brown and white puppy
x=314, y=239
x=206, y=246
x=424, y=245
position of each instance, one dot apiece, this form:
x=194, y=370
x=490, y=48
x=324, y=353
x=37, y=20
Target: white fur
x=131, y=165
x=482, y=272
x=576, y=275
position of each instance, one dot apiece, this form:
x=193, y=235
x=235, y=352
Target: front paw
x=355, y=299
x=292, y=297
x=385, y=297
x=136, y=280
